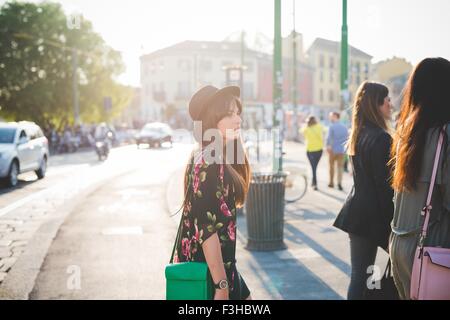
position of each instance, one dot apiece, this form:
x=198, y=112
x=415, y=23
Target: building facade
x=170, y=76
x=324, y=57
x=394, y=73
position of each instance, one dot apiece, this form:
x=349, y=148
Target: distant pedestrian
x=313, y=133
x=336, y=140
x=367, y=212
x=425, y=113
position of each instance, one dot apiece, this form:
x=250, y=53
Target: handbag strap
x=427, y=209
x=176, y=239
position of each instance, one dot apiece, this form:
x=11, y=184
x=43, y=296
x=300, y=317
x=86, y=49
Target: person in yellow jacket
x=313, y=133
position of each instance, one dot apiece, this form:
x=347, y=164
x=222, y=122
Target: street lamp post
x=76, y=106
x=344, y=57
x=277, y=92
x=294, y=74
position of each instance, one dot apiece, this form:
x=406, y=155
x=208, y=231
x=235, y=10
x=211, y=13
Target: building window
x=321, y=61
x=331, y=63
x=358, y=79
x=366, y=68
x=184, y=65
x=249, y=66
x=321, y=95
x=331, y=96
x=331, y=77
x=248, y=91
x=160, y=95
x=358, y=67
x=184, y=90
x=321, y=76
x=206, y=65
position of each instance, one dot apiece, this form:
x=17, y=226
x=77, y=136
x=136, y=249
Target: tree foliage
x=38, y=45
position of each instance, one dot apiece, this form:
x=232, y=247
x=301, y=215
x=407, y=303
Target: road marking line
x=123, y=231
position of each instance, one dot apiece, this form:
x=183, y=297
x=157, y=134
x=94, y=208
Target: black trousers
x=363, y=253
x=314, y=158
x=239, y=290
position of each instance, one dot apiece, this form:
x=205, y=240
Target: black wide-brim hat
x=203, y=97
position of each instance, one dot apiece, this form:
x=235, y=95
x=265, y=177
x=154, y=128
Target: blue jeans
x=314, y=158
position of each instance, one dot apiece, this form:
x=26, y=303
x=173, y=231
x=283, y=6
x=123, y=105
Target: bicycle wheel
x=296, y=184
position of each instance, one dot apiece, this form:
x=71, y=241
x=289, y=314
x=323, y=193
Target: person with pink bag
x=420, y=241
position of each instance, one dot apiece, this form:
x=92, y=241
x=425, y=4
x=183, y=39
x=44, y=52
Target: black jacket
x=369, y=207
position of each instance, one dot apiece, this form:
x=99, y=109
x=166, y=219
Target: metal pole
x=277, y=91
x=76, y=107
x=344, y=57
x=242, y=66
x=294, y=75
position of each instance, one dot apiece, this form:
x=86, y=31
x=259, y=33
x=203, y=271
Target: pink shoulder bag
x=430, y=279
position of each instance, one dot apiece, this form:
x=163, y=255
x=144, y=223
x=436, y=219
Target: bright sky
x=413, y=29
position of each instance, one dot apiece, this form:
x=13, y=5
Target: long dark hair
x=425, y=105
x=239, y=172
x=311, y=120
x=366, y=109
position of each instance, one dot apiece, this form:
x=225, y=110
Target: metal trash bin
x=264, y=210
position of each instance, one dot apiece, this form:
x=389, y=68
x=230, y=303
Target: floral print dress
x=210, y=209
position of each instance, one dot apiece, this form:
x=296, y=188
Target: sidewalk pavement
x=316, y=263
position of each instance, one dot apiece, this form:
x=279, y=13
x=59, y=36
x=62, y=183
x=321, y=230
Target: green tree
x=36, y=66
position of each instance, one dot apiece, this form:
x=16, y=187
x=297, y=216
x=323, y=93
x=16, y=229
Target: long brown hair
x=369, y=97
x=311, y=120
x=239, y=172
x=425, y=105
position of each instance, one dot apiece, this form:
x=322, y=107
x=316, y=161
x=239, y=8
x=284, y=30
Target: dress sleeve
x=208, y=209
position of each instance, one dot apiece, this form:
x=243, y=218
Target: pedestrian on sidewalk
x=424, y=114
x=313, y=133
x=367, y=212
x=217, y=180
x=336, y=140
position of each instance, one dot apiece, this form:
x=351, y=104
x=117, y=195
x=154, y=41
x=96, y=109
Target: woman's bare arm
x=213, y=254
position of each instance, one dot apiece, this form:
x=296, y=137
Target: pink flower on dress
x=197, y=166
x=186, y=247
x=232, y=230
x=176, y=259
x=188, y=207
x=224, y=208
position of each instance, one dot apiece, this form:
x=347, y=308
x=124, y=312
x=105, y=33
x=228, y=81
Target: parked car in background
x=23, y=148
x=154, y=134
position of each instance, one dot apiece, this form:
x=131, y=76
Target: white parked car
x=23, y=147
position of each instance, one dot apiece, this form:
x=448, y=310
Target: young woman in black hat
x=216, y=182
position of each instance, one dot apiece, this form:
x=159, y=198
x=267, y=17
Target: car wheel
x=42, y=169
x=12, y=179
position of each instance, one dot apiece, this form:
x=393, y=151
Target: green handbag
x=187, y=280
